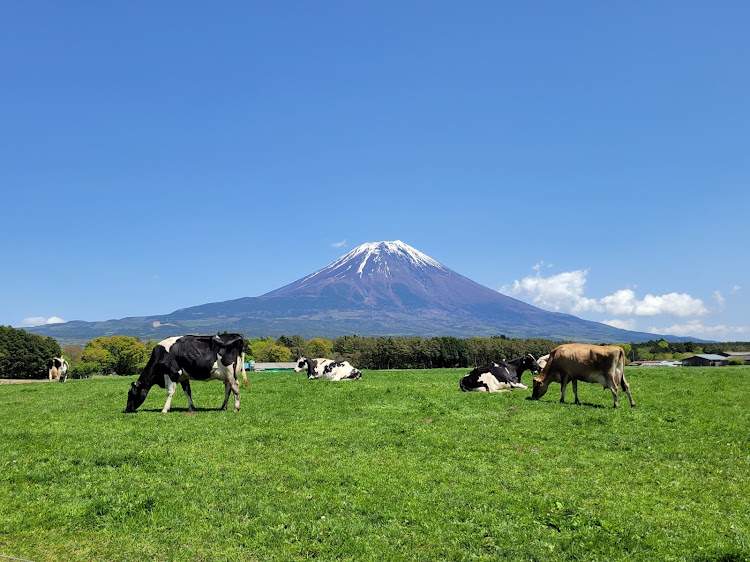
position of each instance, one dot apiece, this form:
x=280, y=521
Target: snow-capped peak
x=378, y=255
x=379, y=251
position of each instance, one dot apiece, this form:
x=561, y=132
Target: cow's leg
x=227, y=391
x=563, y=384
x=234, y=384
x=613, y=388
x=231, y=385
x=171, y=386
x=626, y=388
x=186, y=389
x=575, y=390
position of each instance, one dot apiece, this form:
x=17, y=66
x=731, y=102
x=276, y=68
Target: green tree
x=319, y=347
x=24, y=355
x=296, y=345
x=120, y=355
x=257, y=348
x=278, y=354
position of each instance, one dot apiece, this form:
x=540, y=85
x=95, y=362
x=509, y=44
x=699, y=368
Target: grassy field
x=400, y=465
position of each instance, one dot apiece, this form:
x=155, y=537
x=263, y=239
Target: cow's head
x=301, y=365
x=530, y=363
x=229, y=347
x=540, y=388
x=136, y=396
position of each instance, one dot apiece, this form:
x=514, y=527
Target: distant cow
x=575, y=362
x=499, y=377
x=58, y=369
x=327, y=369
x=180, y=359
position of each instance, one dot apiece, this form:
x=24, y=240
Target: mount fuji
x=377, y=289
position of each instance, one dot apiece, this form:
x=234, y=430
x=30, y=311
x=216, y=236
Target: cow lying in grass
x=499, y=377
x=327, y=369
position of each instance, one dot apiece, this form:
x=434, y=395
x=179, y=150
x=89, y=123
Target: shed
x=274, y=367
x=654, y=363
x=705, y=360
x=743, y=355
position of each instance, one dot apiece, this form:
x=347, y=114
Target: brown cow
x=575, y=362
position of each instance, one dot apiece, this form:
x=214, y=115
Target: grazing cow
x=499, y=377
x=575, y=362
x=180, y=359
x=58, y=369
x=327, y=369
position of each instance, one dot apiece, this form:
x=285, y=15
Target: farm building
x=743, y=355
x=705, y=360
x=654, y=363
x=272, y=367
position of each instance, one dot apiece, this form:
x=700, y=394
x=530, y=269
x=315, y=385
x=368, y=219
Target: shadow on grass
x=582, y=404
x=179, y=409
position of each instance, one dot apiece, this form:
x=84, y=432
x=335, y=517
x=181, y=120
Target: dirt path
x=22, y=381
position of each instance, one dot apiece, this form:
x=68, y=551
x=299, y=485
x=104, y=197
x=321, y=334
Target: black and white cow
x=327, y=369
x=182, y=358
x=58, y=369
x=499, y=377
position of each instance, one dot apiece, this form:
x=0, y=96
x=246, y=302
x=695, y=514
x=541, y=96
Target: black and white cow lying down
x=327, y=369
x=499, y=377
x=182, y=358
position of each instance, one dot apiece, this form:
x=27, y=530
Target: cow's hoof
x=236, y=410
x=164, y=411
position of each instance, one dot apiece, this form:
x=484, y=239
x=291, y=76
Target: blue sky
x=586, y=157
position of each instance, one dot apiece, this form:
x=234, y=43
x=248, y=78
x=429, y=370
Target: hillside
x=379, y=288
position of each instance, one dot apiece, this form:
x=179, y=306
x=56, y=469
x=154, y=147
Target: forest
x=24, y=355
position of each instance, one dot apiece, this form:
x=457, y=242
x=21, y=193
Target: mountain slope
x=379, y=288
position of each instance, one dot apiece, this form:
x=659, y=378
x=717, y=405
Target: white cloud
x=565, y=292
x=621, y=324
x=697, y=329
x=338, y=244
x=39, y=320
x=674, y=304
x=720, y=300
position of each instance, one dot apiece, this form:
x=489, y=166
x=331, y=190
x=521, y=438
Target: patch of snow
x=378, y=251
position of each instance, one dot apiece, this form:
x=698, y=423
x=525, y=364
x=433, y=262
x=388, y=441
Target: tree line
x=25, y=355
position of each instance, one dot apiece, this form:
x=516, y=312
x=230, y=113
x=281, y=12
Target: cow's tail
x=244, y=374
x=620, y=367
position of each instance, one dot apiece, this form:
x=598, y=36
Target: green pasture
x=400, y=465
